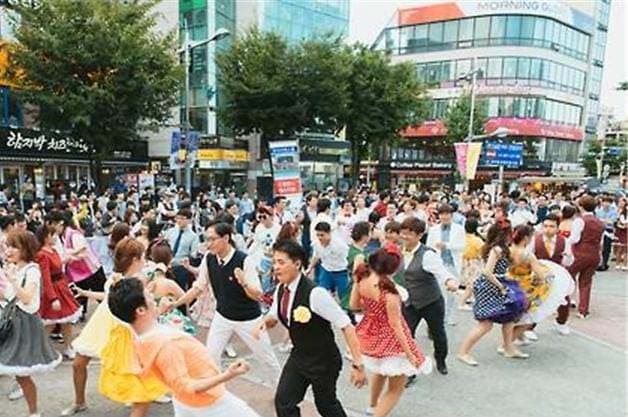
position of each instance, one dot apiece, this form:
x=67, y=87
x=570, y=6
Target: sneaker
x=16, y=394
x=75, y=409
x=69, y=353
x=230, y=352
x=583, y=316
x=562, y=329
x=369, y=411
x=531, y=335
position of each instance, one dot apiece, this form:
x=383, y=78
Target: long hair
x=498, y=235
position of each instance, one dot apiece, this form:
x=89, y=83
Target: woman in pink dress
x=389, y=351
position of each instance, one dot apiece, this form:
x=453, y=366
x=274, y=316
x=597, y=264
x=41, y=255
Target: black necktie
x=177, y=243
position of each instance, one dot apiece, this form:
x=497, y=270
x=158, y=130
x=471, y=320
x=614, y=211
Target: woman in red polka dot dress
x=389, y=351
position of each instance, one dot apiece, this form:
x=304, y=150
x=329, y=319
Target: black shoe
x=411, y=380
x=442, y=368
x=603, y=268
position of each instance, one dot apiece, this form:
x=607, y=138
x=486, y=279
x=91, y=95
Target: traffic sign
x=503, y=154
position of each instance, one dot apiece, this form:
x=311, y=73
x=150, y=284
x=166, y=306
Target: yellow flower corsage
x=302, y=315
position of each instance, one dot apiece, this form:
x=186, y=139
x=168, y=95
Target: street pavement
x=580, y=375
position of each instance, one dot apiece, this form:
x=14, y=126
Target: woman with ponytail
x=389, y=351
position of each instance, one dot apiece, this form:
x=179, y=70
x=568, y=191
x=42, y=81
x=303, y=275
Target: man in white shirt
x=522, y=214
x=448, y=238
x=332, y=253
x=424, y=275
x=309, y=312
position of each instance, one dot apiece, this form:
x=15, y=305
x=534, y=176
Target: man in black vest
x=424, y=274
x=236, y=287
x=308, y=312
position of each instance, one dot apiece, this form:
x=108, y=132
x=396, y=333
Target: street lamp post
x=472, y=77
x=186, y=50
x=500, y=132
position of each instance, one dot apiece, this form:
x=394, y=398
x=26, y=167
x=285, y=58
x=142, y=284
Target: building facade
x=540, y=66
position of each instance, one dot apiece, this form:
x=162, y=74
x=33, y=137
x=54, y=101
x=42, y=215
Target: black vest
x=422, y=285
x=315, y=351
x=231, y=299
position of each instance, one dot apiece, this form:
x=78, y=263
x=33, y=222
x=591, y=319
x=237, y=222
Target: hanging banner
x=461, y=157
x=175, y=146
x=284, y=157
x=473, y=158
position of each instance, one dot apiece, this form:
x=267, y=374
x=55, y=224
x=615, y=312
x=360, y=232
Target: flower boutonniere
x=302, y=314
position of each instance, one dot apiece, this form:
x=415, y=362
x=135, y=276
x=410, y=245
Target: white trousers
x=227, y=406
x=221, y=331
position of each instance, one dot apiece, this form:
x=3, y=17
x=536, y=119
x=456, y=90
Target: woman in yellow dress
x=532, y=276
x=120, y=369
x=472, y=263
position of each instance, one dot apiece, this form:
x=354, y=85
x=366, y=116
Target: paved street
x=581, y=375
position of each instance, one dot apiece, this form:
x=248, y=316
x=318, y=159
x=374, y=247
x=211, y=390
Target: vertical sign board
x=284, y=157
x=175, y=145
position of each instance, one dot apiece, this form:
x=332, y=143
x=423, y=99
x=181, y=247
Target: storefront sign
x=284, y=156
x=222, y=165
x=233, y=155
x=517, y=127
x=34, y=141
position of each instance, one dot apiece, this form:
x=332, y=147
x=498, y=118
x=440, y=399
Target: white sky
x=369, y=17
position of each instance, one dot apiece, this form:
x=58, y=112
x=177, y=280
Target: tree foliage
x=96, y=68
x=457, y=119
x=278, y=89
x=615, y=154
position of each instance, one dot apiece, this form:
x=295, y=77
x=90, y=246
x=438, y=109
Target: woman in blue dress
x=497, y=299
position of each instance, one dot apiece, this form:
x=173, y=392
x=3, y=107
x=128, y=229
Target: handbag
x=7, y=315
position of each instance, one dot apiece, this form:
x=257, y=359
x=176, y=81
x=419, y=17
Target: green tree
x=615, y=154
x=96, y=68
x=383, y=100
x=277, y=89
x=457, y=119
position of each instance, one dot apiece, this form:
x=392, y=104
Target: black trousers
x=95, y=282
x=292, y=386
x=606, y=250
x=434, y=315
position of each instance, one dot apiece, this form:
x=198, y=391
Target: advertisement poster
x=473, y=157
x=284, y=156
x=175, y=146
x=461, y=157
x=146, y=181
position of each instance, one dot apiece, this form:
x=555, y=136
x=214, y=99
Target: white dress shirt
x=250, y=272
x=432, y=263
x=333, y=256
x=321, y=303
x=577, y=227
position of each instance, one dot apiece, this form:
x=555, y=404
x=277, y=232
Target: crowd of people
x=155, y=284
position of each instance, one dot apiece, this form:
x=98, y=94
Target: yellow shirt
x=473, y=247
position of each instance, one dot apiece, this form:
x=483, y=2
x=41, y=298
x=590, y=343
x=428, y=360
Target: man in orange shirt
x=177, y=359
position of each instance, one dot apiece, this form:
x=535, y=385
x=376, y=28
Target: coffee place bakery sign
x=34, y=143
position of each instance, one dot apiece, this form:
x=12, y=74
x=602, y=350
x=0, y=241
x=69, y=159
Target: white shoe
x=531, y=335
x=465, y=307
x=74, y=409
x=35, y=415
x=163, y=400
x=16, y=394
x=500, y=350
x=69, y=353
x=348, y=356
x=562, y=329
x=451, y=322
x=230, y=352
x=369, y=411
x=521, y=342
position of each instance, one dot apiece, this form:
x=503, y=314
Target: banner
x=284, y=157
x=461, y=157
x=473, y=157
x=175, y=146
